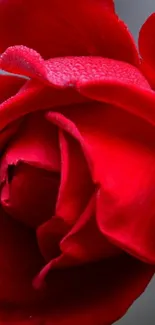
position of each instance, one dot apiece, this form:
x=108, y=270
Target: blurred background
x=134, y=13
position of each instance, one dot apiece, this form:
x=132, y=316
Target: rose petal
x=129, y=224
x=62, y=29
x=9, y=85
x=101, y=76
x=22, y=60
x=29, y=194
x=147, y=48
x=49, y=236
x=137, y=97
x=89, y=294
x=36, y=143
x=35, y=147
x=75, y=190
x=75, y=71
x=55, y=236
x=122, y=151
x=76, y=184
x=34, y=96
x=67, y=71
x=65, y=124
x=84, y=242
x=7, y=134
x=74, y=193
x=20, y=260
x=94, y=291
x=76, y=247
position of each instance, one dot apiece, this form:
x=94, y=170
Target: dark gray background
x=134, y=12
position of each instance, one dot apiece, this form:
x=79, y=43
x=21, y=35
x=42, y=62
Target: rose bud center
x=30, y=172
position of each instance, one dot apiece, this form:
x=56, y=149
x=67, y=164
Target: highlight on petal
x=147, y=48
x=65, y=75
x=61, y=28
x=24, y=61
x=65, y=71
x=70, y=71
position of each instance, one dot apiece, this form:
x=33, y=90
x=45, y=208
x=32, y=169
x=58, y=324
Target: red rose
x=77, y=165
x=147, y=49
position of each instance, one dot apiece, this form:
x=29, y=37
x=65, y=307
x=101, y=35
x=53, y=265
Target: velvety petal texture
x=57, y=28
x=67, y=73
x=77, y=155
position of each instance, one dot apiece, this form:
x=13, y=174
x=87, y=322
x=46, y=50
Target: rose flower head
x=77, y=157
